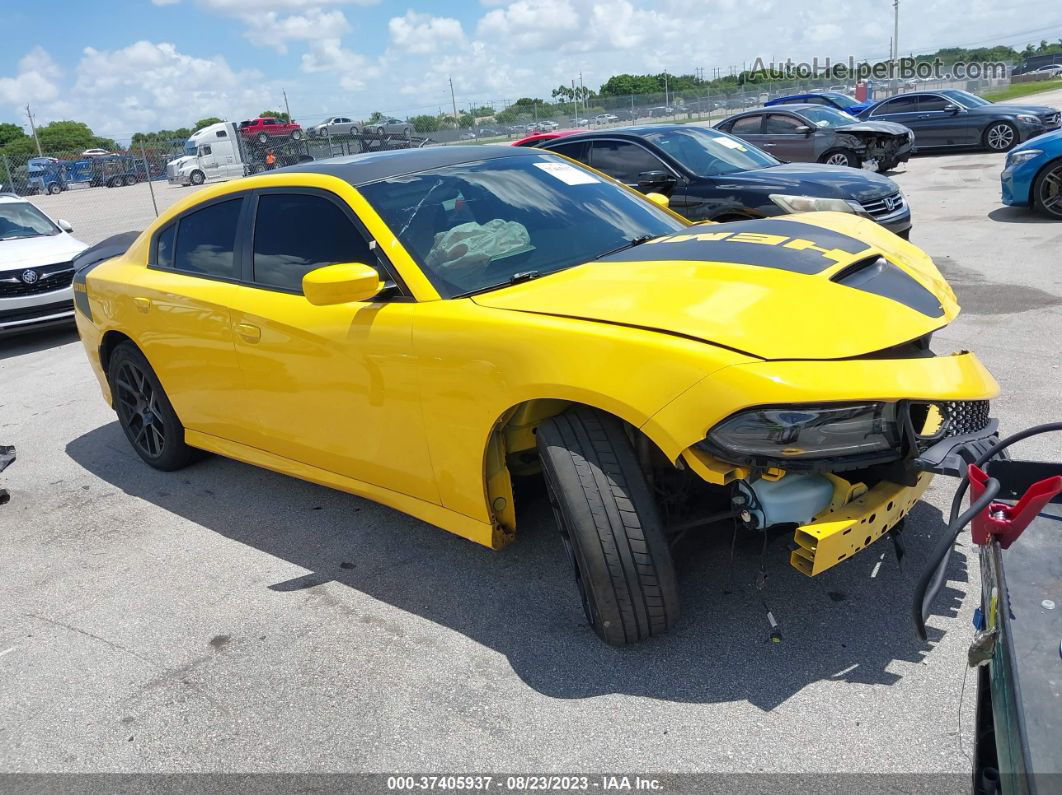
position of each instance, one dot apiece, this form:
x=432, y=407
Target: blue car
x=1033, y=175
x=830, y=99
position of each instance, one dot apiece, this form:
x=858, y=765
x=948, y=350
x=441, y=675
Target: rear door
x=750, y=128
x=182, y=322
x=902, y=110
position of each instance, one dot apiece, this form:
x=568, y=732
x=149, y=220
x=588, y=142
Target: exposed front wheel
x=609, y=525
x=144, y=412
x=263, y=138
x=54, y=187
x=197, y=177
x=1001, y=137
x=1047, y=191
x=296, y=135
x=841, y=157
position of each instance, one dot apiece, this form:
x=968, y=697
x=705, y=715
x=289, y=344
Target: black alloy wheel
x=139, y=410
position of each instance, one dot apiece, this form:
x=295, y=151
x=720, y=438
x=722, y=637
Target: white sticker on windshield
x=732, y=144
x=569, y=175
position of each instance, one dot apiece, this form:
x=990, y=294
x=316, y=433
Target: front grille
x=964, y=416
x=49, y=279
x=1051, y=118
x=171, y=171
x=885, y=205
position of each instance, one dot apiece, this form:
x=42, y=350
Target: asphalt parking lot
x=225, y=618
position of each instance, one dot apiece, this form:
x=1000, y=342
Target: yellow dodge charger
x=421, y=327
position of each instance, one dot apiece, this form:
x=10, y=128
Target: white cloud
x=532, y=24
x=148, y=85
x=271, y=30
x=34, y=82
x=422, y=33
x=351, y=68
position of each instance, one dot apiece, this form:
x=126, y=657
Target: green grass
x=1023, y=90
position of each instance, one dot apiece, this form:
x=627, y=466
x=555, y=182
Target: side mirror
x=64, y=225
x=658, y=198
x=341, y=284
x=803, y=129
x=655, y=181
x=949, y=108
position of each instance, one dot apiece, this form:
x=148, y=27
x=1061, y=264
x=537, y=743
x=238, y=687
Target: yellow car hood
x=812, y=286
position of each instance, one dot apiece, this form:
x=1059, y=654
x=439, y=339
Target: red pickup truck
x=263, y=129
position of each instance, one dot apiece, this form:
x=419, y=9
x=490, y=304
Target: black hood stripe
x=790, y=246
x=785, y=245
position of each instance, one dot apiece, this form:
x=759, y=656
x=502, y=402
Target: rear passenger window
x=206, y=239
x=164, y=247
x=747, y=125
x=294, y=233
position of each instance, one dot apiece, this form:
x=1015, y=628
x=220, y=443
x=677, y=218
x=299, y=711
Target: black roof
x=373, y=166
x=638, y=131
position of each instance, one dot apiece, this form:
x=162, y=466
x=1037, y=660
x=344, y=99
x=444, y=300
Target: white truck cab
x=215, y=152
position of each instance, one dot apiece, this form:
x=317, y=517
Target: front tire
x=1047, y=191
x=1000, y=137
x=841, y=157
x=296, y=135
x=610, y=526
x=263, y=138
x=144, y=412
x=197, y=177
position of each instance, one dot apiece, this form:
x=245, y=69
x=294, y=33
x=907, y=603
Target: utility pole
x=665, y=88
x=896, y=32
x=286, y=108
x=453, y=100
x=575, y=102
x=33, y=127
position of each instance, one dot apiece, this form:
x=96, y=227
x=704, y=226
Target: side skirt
x=457, y=523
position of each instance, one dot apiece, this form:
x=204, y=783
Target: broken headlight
x=788, y=436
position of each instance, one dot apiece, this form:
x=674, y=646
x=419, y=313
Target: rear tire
x=610, y=526
x=841, y=157
x=145, y=412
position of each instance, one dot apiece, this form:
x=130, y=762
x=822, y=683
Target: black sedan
x=708, y=175
x=816, y=134
x=951, y=118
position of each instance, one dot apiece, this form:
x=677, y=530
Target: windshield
x=189, y=147
x=708, y=153
x=843, y=100
x=475, y=226
x=827, y=117
x=22, y=219
x=965, y=98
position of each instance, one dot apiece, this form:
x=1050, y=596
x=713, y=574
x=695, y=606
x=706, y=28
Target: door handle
x=249, y=332
x=766, y=145
x=142, y=304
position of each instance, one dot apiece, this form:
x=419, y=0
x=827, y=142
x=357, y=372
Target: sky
x=130, y=65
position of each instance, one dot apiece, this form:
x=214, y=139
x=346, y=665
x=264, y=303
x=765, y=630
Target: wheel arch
x=111, y=340
x=511, y=449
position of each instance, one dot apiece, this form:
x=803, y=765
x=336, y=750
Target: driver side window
x=295, y=233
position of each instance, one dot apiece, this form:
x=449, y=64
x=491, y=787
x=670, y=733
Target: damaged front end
x=878, y=148
x=842, y=475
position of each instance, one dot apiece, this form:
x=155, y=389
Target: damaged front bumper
x=837, y=515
